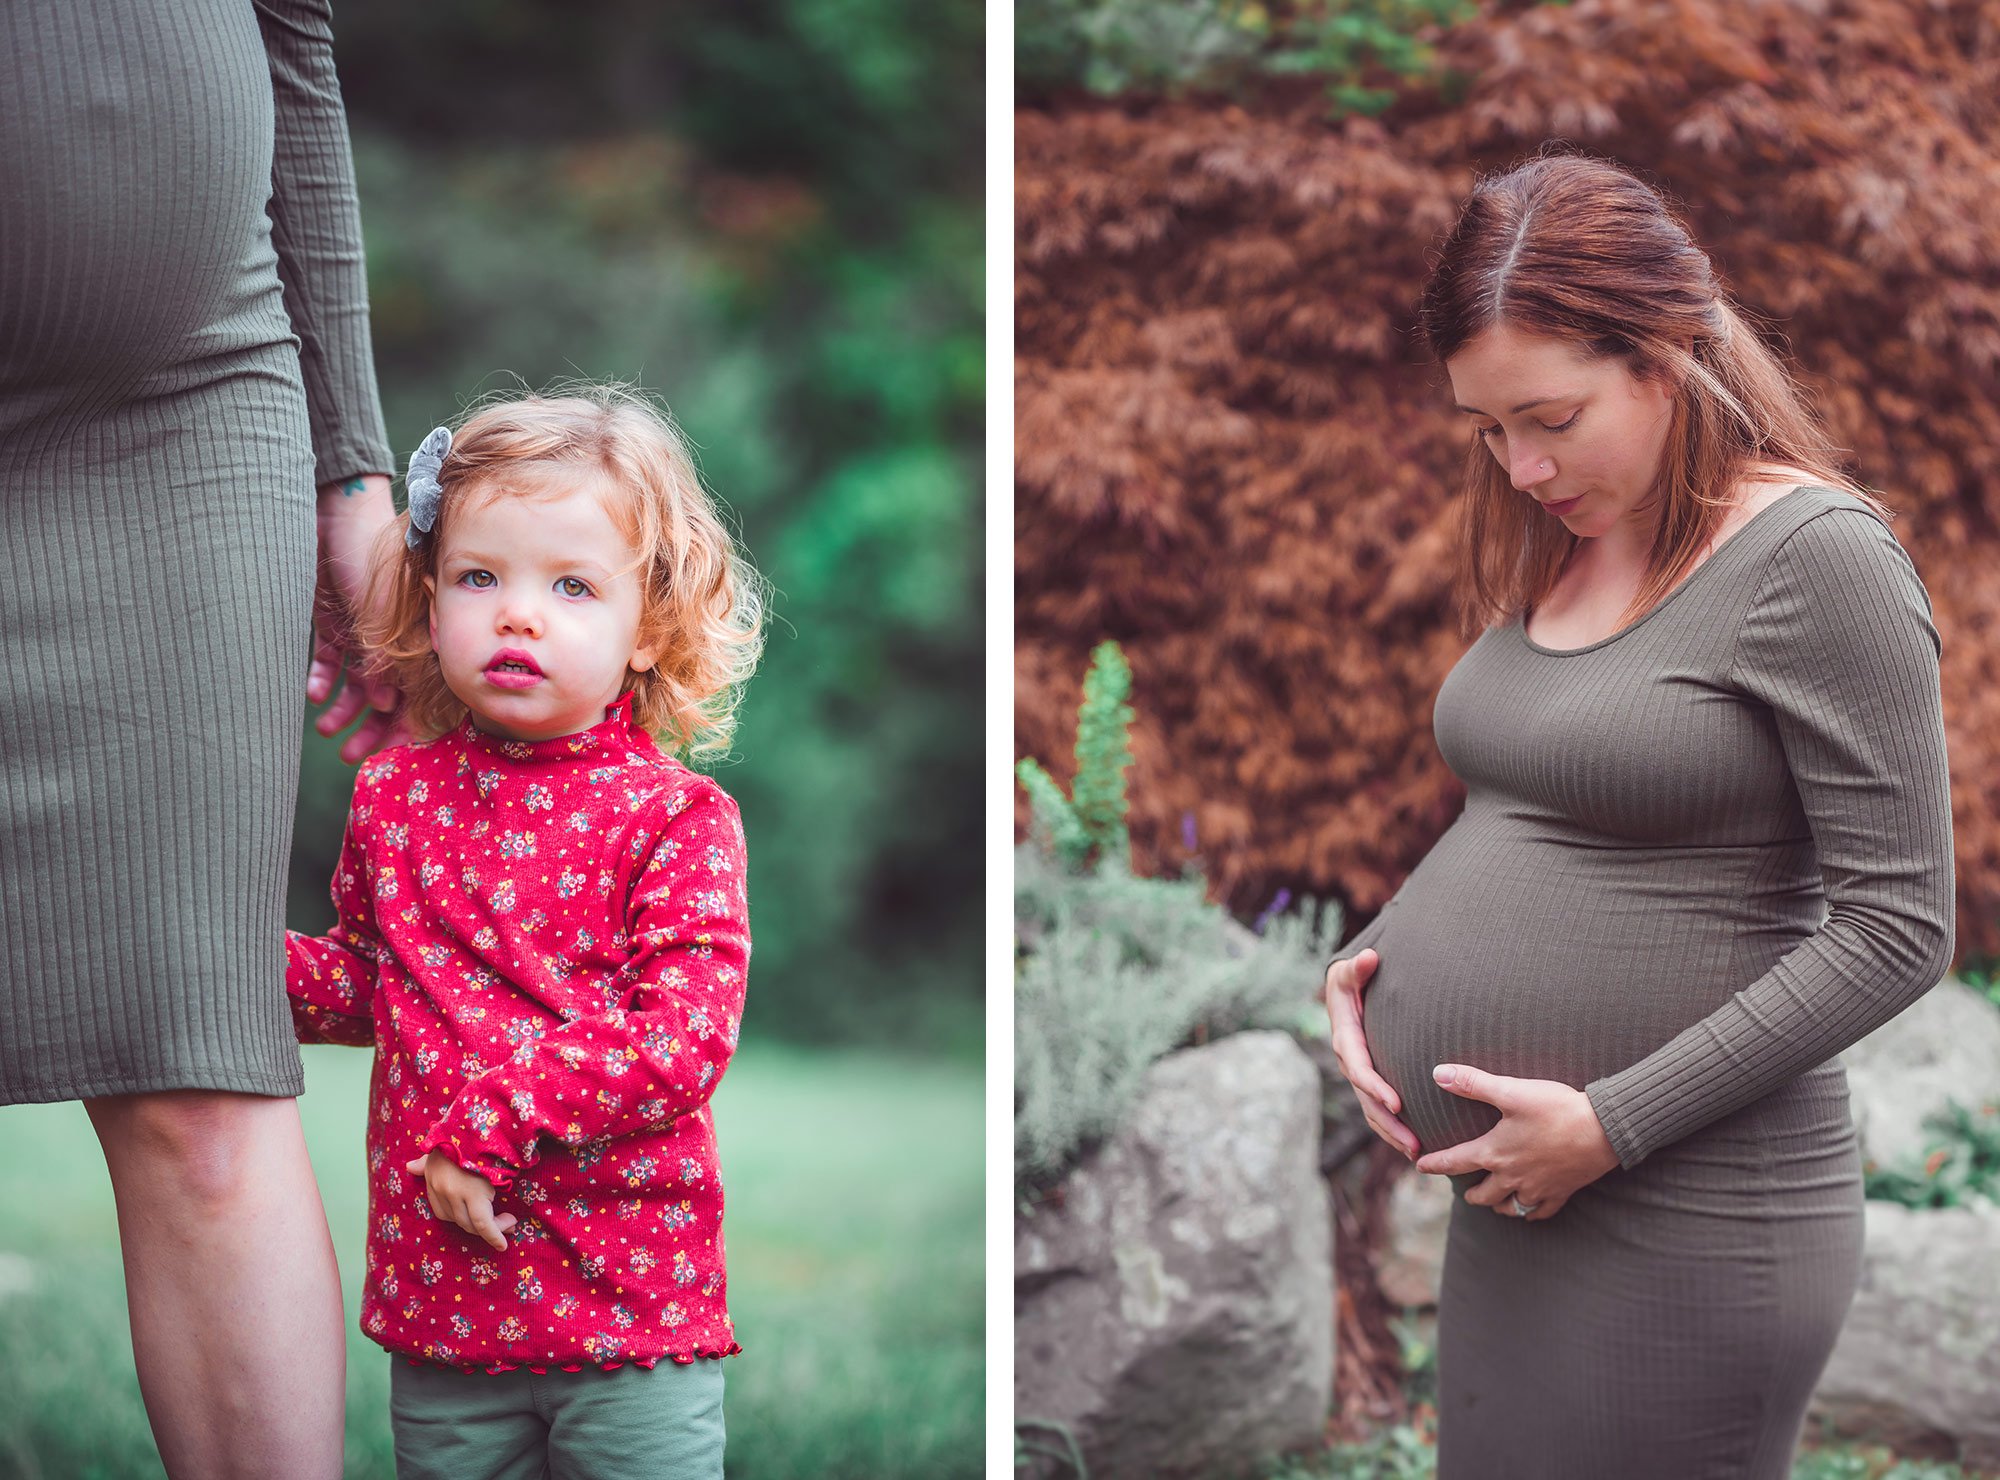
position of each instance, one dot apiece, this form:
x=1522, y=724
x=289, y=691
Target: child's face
x=534, y=612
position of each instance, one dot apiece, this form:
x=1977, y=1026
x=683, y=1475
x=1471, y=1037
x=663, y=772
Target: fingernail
x=1441, y=1074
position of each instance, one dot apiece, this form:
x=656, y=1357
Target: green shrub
x=1961, y=1167
x=1119, y=46
x=1113, y=46
x=1113, y=970
x=1396, y=1453
x=1982, y=974
x=1089, y=825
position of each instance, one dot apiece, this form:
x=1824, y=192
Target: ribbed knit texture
x=157, y=472
x=1697, y=859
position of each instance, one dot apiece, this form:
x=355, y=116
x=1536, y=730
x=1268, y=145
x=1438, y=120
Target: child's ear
x=431, y=608
x=642, y=659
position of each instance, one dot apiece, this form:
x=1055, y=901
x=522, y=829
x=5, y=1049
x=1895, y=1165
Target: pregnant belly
x=1569, y=996
x=134, y=180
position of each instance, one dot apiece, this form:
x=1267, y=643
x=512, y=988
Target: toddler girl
x=543, y=933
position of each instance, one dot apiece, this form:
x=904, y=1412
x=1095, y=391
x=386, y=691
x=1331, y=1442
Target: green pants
x=663, y=1423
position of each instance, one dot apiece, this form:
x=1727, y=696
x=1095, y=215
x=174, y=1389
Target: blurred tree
x=770, y=214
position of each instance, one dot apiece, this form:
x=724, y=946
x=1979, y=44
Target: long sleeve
x=330, y=979
x=1838, y=641
x=662, y=1049
x=316, y=232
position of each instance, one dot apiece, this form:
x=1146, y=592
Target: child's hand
x=462, y=1197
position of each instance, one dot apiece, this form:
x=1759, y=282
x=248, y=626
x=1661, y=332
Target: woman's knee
x=206, y=1143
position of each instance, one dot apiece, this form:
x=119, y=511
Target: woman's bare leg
x=230, y=1276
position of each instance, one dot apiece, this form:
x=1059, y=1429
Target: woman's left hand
x=1548, y=1143
x=351, y=515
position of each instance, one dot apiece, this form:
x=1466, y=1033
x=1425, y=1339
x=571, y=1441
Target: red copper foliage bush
x=1232, y=457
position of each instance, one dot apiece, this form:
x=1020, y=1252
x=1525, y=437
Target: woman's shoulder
x=1833, y=579
x=1830, y=526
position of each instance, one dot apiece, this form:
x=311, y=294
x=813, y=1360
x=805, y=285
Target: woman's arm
x=316, y=232
x=1838, y=640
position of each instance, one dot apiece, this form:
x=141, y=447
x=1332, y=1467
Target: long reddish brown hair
x=1581, y=250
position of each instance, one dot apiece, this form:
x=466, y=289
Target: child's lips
x=512, y=669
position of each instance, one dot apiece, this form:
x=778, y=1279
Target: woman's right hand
x=1344, y=983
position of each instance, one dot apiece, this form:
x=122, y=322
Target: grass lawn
x=855, y=1195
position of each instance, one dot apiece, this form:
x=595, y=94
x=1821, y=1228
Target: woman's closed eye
x=1489, y=431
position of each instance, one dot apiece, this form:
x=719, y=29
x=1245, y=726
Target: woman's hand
x=462, y=1197
x=351, y=513
x=1548, y=1143
x=1344, y=981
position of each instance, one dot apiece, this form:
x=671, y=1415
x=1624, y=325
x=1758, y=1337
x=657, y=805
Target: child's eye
x=571, y=586
x=479, y=580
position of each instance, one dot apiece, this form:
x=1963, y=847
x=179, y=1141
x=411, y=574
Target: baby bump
x=1567, y=996
x=137, y=167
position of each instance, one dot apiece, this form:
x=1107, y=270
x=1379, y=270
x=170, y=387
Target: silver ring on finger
x=1519, y=1208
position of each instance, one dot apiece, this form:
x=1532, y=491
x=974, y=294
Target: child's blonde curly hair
x=703, y=607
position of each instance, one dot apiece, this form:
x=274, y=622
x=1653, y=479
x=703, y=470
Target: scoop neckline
x=1521, y=620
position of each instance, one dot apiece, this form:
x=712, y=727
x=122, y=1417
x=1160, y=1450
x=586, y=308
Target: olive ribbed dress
x=184, y=354
x=1697, y=859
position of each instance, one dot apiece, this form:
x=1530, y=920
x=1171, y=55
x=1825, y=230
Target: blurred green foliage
x=770, y=214
x=1982, y=974
x=1113, y=970
x=1960, y=1167
x=1121, y=46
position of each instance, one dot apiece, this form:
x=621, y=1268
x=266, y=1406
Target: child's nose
x=524, y=617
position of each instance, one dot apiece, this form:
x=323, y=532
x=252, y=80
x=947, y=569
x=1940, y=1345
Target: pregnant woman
x=184, y=356
x=1706, y=845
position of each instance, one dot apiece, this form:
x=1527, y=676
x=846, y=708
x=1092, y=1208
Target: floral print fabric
x=546, y=944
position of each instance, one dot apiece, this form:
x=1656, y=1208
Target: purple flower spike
x=1278, y=902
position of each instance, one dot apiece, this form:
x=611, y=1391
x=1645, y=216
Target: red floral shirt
x=545, y=942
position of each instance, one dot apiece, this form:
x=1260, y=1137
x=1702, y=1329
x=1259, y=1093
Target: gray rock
x=1919, y=1357
x=1174, y=1307
x=1945, y=1045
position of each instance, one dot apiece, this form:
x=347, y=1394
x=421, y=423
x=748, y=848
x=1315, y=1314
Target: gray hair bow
x=420, y=483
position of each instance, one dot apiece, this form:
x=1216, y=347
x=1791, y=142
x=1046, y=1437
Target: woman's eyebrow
x=1524, y=406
